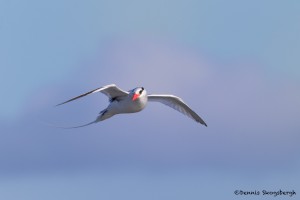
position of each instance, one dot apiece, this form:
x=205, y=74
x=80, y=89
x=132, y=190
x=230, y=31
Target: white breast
x=128, y=106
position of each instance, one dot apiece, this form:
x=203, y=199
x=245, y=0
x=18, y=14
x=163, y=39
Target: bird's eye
x=140, y=91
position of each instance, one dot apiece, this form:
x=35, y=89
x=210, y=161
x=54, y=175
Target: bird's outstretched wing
x=177, y=104
x=111, y=91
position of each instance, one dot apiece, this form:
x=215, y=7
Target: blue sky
x=235, y=63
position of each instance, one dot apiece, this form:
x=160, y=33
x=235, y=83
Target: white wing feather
x=177, y=104
x=111, y=91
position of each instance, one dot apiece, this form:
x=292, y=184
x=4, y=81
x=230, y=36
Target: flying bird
x=133, y=101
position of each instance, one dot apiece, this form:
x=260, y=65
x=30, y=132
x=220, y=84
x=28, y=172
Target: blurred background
x=236, y=63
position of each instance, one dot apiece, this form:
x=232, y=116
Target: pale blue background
x=236, y=63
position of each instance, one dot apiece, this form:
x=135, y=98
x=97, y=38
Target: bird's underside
x=135, y=100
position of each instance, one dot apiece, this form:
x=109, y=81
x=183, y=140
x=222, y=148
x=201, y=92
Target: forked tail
x=104, y=114
x=67, y=127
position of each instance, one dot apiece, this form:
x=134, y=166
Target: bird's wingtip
x=61, y=103
x=203, y=123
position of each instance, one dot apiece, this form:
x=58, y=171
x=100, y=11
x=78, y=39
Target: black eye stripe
x=142, y=89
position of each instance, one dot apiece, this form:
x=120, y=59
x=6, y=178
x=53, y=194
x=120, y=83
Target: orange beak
x=135, y=96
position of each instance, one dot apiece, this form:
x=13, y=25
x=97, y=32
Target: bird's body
x=133, y=101
x=121, y=105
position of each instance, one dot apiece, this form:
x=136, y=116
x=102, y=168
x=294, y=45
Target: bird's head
x=138, y=92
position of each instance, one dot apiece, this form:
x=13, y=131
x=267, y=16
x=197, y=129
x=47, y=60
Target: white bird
x=133, y=101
